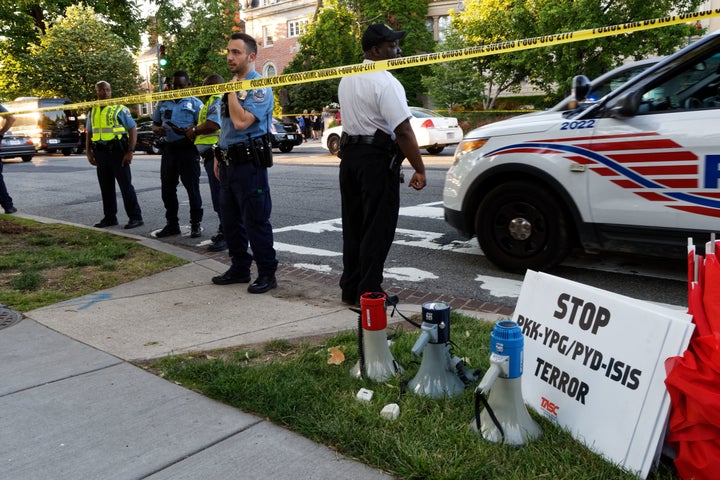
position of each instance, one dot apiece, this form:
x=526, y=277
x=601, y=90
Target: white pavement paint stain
x=286, y=247
x=426, y=210
x=430, y=240
x=333, y=225
x=312, y=266
x=408, y=274
x=500, y=287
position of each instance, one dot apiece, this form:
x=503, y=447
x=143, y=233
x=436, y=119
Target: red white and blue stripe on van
x=647, y=164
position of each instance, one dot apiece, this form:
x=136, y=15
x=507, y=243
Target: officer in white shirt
x=377, y=136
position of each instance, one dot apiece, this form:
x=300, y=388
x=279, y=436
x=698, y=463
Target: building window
x=269, y=70
x=267, y=36
x=443, y=25
x=297, y=27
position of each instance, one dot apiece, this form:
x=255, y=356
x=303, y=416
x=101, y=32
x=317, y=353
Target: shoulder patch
x=259, y=95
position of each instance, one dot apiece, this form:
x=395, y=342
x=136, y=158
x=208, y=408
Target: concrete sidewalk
x=72, y=406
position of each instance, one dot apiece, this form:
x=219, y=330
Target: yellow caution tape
x=395, y=63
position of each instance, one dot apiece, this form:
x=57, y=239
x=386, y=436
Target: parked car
x=284, y=135
x=433, y=132
x=17, y=146
x=147, y=141
x=635, y=171
x=51, y=131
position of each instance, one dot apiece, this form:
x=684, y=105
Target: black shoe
x=218, y=237
x=217, y=246
x=168, y=230
x=106, y=223
x=195, y=230
x=134, y=223
x=12, y=210
x=262, y=284
x=351, y=301
x=230, y=277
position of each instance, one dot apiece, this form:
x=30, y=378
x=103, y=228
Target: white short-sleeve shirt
x=369, y=101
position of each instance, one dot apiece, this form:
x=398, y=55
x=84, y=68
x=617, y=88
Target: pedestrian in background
x=5, y=199
x=376, y=137
x=110, y=138
x=206, y=135
x=180, y=160
x=244, y=156
x=316, y=121
x=307, y=128
x=301, y=126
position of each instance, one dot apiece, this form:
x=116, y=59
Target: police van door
x=660, y=166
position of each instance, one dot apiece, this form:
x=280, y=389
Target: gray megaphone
x=440, y=373
x=505, y=418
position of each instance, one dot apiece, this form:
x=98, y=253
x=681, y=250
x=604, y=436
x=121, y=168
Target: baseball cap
x=378, y=33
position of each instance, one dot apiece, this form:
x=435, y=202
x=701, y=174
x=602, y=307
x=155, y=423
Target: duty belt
x=236, y=154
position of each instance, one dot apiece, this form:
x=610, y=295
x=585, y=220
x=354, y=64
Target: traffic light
x=162, y=58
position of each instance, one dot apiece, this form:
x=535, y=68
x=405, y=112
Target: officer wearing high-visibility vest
x=206, y=135
x=111, y=134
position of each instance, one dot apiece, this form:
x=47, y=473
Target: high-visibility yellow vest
x=105, y=124
x=207, y=138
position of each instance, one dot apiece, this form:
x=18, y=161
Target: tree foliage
x=333, y=39
x=196, y=34
x=23, y=22
x=78, y=50
x=453, y=85
x=492, y=21
x=402, y=15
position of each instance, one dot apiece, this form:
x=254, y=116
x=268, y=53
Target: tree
x=330, y=41
x=78, y=50
x=401, y=15
x=454, y=84
x=23, y=22
x=552, y=68
x=195, y=35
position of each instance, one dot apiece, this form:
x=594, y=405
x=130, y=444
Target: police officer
x=243, y=157
x=5, y=199
x=376, y=130
x=180, y=160
x=206, y=136
x=110, y=139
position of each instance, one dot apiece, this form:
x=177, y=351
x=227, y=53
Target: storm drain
x=8, y=317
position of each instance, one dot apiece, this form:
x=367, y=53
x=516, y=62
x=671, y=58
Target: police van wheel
x=285, y=148
x=520, y=225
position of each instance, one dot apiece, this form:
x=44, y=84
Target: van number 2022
x=577, y=125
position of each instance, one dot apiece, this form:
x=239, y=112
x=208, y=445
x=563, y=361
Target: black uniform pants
x=180, y=162
x=208, y=157
x=370, y=196
x=110, y=170
x=246, y=205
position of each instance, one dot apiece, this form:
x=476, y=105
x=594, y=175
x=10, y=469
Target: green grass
x=294, y=386
x=42, y=264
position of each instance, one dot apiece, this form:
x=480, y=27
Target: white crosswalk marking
x=429, y=240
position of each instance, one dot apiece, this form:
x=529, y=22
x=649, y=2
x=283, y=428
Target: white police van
x=636, y=171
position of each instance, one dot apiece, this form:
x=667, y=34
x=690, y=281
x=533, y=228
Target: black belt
x=237, y=154
x=103, y=146
x=366, y=139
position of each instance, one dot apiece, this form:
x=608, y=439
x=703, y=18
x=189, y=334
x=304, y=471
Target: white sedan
x=432, y=131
